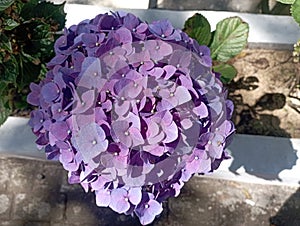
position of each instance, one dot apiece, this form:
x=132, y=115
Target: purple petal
x=103, y=198
x=59, y=130
x=135, y=195
x=156, y=72
x=90, y=141
x=50, y=92
x=123, y=35
x=182, y=95
x=171, y=132
x=83, y=103
x=121, y=108
x=119, y=200
x=66, y=156
x=136, y=136
x=89, y=40
x=170, y=71
x=201, y=110
x=153, y=209
x=33, y=97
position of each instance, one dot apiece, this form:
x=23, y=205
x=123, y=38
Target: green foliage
x=227, y=71
x=286, y=1
x=27, y=34
x=295, y=8
x=227, y=41
x=230, y=39
x=4, y=112
x=295, y=11
x=198, y=28
x=4, y=4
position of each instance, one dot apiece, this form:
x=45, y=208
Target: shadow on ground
x=264, y=157
x=267, y=157
x=289, y=213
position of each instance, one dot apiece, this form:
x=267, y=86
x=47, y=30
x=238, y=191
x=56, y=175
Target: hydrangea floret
x=132, y=111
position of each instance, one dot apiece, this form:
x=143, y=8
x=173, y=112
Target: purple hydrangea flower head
x=132, y=111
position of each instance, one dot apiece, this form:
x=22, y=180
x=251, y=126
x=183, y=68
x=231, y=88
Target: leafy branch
x=227, y=41
x=27, y=35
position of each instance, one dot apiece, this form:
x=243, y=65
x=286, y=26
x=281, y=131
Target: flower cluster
x=132, y=111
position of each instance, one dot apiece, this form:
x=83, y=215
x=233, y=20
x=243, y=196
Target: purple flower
x=50, y=92
x=149, y=209
x=59, y=130
x=141, y=60
x=121, y=199
x=33, y=97
x=204, y=54
x=37, y=120
x=173, y=96
x=132, y=111
x=103, y=197
x=90, y=141
x=158, y=49
x=181, y=59
x=127, y=133
x=57, y=111
x=164, y=30
x=198, y=162
x=134, y=24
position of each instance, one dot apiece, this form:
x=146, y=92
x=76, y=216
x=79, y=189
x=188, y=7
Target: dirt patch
x=266, y=93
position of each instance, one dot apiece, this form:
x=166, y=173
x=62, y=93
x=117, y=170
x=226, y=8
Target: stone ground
x=36, y=193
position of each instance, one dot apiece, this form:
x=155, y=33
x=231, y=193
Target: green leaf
x=10, y=72
x=230, y=38
x=198, y=27
x=28, y=72
x=3, y=86
x=227, y=71
x=295, y=10
x=10, y=24
x=286, y=1
x=50, y=12
x=4, y=4
x=5, y=43
x=4, y=112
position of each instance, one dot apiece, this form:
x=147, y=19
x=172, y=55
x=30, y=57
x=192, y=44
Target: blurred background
x=250, y=6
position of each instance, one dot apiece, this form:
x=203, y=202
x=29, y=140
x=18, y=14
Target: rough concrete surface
x=37, y=193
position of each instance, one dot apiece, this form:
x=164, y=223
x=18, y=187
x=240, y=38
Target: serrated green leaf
x=286, y=1
x=5, y=43
x=10, y=72
x=230, y=38
x=198, y=27
x=10, y=24
x=295, y=10
x=227, y=71
x=4, y=112
x=4, y=4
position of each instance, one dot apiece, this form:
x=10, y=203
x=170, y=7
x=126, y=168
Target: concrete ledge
x=36, y=193
x=17, y=139
x=272, y=31
x=255, y=159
